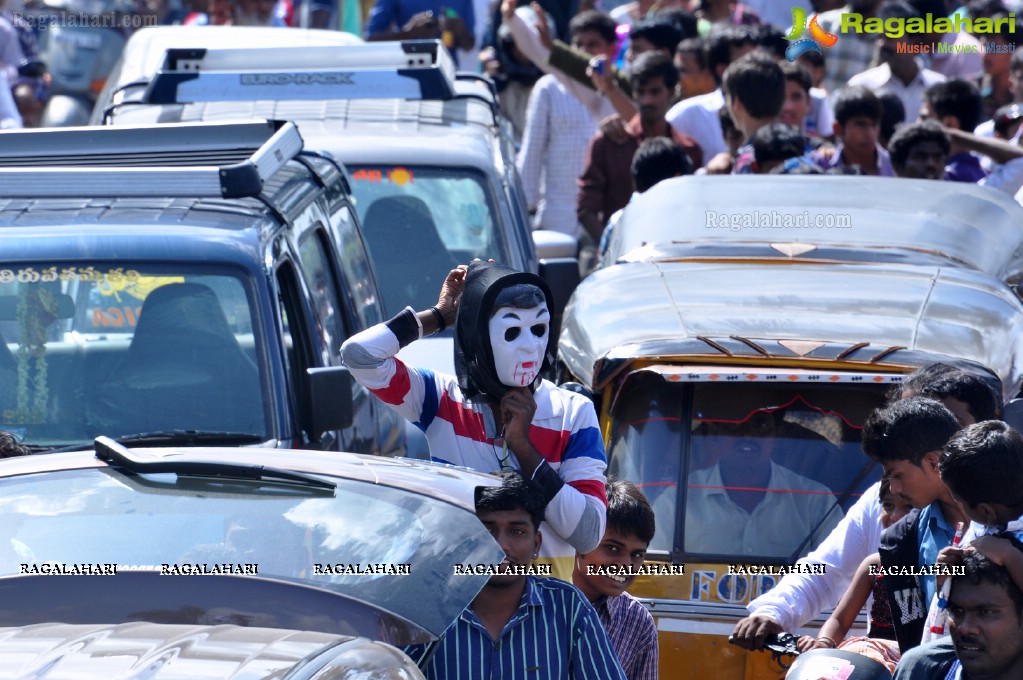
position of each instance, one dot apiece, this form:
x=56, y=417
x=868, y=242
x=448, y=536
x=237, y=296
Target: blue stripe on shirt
x=555, y=633
x=585, y=443
x=430, y=401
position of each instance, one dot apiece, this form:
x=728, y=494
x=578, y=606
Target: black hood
x=474, y=360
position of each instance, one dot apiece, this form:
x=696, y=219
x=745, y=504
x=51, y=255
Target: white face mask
x=518, y=338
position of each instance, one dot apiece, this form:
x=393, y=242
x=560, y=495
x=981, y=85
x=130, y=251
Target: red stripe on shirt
x=466, y=422
x=591, y=487
x=550, y=443
x=398, y=388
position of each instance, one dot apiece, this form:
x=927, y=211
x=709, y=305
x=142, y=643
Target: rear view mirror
x=329, y=406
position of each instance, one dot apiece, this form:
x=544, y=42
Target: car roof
x=144, y=52
x=893, y=219
x=710, y=312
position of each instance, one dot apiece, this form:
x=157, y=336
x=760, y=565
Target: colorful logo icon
x=800, y=44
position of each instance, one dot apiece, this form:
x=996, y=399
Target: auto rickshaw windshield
x=769, y=469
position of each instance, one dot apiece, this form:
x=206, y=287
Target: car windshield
x=769, y=469
x=102, y=516
x=427, y=221
x=120, y=348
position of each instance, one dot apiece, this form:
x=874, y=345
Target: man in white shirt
x=698, y=116
x=558, y=132
x=900, y=73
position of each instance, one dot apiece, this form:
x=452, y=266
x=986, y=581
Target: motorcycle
x=80, y=45
x=822, y=664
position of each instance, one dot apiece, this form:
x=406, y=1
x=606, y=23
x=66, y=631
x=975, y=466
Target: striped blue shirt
x=555, y=633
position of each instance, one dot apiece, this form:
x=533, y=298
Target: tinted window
x=118, y=350
x=319, y=279
x=769, y=469
x=358, y=286
x=424, y=220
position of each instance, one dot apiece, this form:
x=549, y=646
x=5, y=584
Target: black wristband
x=547, y=481
x=441, y=324
x=405, y=326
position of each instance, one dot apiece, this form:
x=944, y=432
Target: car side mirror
x=562, y=276
x=329, y=404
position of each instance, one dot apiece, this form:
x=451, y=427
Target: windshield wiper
x=173, y=438
x=117, y=455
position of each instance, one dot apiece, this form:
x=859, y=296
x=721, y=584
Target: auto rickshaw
x=764, y=368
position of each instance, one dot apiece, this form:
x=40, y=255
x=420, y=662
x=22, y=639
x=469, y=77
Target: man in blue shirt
x=453, y=21
x=520, y=626
x=907, y=438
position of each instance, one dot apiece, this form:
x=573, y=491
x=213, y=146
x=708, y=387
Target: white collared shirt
x=698, y=117
x=880, y=79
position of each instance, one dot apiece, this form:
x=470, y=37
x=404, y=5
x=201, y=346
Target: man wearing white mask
x=497, y=412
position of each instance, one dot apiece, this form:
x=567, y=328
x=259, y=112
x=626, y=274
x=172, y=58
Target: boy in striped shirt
x=520, y=626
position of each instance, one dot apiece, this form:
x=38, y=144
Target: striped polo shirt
x=555, y=633
x=564, y=431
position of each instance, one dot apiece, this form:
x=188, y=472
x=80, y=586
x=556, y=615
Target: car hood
x=157, y=651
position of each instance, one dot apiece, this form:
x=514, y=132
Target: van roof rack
x=409, y=69
x=222, y=160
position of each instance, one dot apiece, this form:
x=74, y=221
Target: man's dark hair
x=777, y=142
x=663, y=35
x=907, y=430
x=520, y=296
x=977, y=569
x=727, y=124
x=650, y=66
x=893, y=114
x=629, y=511
x=771, y=39
x=794, y=73
x=600, y=23
x=720, y=43
x=980, y=392
x=959, y=98
x=697, y=47
x=851, y=102
x=757, y=81
x=684, y=20
x=985, y=8
x=907, y=137
x=1009, y=31
x=11, y=447
x=515, y=493
x=658, y=158
x=897, y=9
x=815, y=58
x=984, y=464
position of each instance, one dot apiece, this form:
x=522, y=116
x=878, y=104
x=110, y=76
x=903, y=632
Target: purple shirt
x=633, y=634
x=964, y=167
x=883, y=167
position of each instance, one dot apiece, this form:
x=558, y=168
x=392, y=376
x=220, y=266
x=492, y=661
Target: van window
x=768, y=469
x=427, y=220
x=121, y=348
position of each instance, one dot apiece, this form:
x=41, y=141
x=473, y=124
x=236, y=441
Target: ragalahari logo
x=817, y=39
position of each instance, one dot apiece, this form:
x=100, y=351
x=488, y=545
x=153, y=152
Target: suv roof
x=185, y=159
x=134, y=258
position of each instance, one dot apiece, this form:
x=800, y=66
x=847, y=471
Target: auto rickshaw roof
x=880, y=318
x=860, y=219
